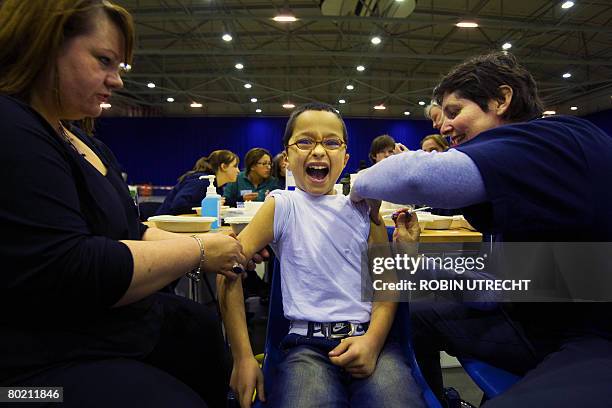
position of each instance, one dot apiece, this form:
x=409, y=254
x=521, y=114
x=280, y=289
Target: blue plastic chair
x=278, y=327
x=491, y=380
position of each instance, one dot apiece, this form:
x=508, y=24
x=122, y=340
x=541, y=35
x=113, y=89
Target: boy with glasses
x=336, y=351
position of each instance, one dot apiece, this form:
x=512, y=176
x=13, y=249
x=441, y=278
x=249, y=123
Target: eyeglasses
x=265, y=164
x=305, y=143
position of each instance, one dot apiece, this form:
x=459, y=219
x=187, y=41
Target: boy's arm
x=383, y=312
x=358, y=355
x=245, y=374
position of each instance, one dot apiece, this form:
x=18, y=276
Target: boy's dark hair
x=380, y=144
x=312, y=106
x=479, y=78
x=253, y=156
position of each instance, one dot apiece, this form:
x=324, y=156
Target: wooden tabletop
x=429, y=236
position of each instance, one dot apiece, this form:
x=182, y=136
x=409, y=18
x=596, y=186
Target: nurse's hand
x=407, y=228
x=250, y=196
x=221, y=253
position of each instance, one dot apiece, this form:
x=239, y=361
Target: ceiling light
x=567, y=4
x=105, y=105
x=549, y=112
x=285, y=18
x=467, y=24
x=288, y=105
x=258, y=110
x=151, y=85
x=567, y=75
x=573, y=108
x=380, y=107
x=248, y=86
x=341, y=101
x=375, y=40
x=360, y=68
x=170, y=99
x=406, y=113
x=195, y=105
x=350, y=87
x=227, y=38
x=422, y=103
x=238, y=66
x=253, y=100
x=506, y=46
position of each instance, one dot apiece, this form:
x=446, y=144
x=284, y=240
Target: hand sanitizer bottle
x=211, y=204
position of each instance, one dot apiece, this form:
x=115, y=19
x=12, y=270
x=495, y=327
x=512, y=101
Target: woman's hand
x=399, y=148
x=250, y=196
x=407, y=228
x=246, y=377
x=221, y=253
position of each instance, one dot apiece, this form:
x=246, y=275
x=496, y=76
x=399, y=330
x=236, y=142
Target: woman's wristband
x=195, y=274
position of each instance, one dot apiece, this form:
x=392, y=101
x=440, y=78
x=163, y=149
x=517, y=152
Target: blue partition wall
x=158, y=150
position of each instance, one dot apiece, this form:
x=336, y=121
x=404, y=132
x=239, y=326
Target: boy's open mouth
x=317, y=172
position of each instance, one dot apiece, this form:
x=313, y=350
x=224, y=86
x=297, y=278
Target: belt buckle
x=328, y=330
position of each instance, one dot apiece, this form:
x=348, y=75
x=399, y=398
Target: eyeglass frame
x=342, y=143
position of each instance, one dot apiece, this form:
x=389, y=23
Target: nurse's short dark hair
x=479, y=78
x=312, y=106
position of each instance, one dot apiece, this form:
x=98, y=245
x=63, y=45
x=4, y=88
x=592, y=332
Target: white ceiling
x=179, y=48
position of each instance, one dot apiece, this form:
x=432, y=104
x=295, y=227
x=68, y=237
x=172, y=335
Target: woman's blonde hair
x=438, y=139
x=33, y=32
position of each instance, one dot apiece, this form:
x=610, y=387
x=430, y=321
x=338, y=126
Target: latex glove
x=246, y=377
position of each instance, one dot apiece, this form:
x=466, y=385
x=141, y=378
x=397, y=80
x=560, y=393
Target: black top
x=187, y=194
x=63, y=264
x=546, y=182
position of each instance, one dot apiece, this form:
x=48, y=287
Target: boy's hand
x=246, y=377
x=357, y=355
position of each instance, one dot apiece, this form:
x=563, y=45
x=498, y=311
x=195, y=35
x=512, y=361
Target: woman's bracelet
x=195, y=274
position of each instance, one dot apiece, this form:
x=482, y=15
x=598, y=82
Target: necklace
x=69, y=139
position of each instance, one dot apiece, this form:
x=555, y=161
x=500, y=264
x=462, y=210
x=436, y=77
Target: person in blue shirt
x=255, y=182
x=522, y=178
x=190, y=190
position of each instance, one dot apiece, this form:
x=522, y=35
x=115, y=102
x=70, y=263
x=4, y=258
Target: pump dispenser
x=211, y=204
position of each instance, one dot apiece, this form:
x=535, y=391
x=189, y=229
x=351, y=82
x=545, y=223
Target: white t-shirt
x=319, y=241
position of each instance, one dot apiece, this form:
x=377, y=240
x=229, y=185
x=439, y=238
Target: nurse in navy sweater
x=80, y=273
x=521, y=178
x=191, y=190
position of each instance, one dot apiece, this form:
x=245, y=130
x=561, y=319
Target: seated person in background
x=321, y=285
x=255, y=182
x=434, y=112
x=435, y=142
x=384, y=146
x=190, y=190
x=279, y=168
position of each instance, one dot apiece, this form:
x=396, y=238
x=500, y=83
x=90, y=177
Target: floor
x=453, y=377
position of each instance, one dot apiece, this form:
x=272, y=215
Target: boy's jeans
x=306, y=378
